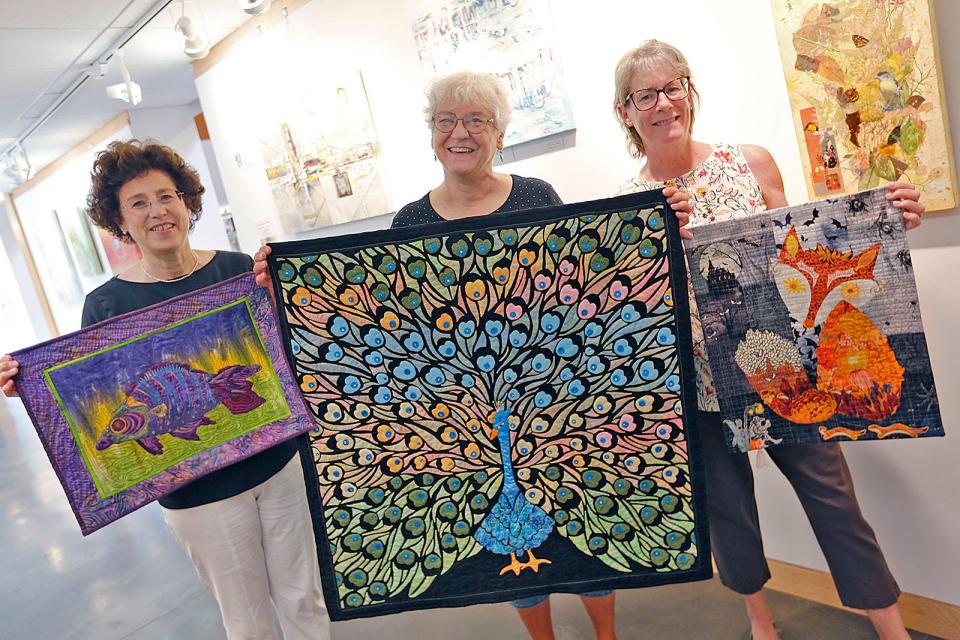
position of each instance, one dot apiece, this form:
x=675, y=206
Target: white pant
x=256, y=548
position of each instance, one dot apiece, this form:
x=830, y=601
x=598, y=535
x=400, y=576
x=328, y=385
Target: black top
x=526, y=193
x=116, y=297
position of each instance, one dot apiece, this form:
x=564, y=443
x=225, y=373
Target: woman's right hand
x=8, y=368
x=262, y=270
x=682, y=207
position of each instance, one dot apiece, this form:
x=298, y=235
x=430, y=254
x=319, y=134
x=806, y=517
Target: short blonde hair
x=466, y=86
x=645, y=57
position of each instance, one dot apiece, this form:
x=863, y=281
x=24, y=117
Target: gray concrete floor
x=130, y=580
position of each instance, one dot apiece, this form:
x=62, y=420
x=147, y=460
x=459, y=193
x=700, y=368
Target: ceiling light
x=128, y=90
x=16, y=165
x=195, y=46
x=255, y=7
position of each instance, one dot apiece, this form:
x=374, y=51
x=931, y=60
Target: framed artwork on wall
x=867, y=96
x=76, y=230
x=515, y=42
x=322, y=157
x=120, y=255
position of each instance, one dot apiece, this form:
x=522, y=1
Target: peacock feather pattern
x=480, y=391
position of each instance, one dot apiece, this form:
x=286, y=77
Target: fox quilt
x=812, y=325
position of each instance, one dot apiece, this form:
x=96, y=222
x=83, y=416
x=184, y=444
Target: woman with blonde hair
x=655, y=101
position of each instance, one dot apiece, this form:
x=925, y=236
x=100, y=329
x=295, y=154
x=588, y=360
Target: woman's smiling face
x=460, y=151
x=668, y=120
x=153, y=212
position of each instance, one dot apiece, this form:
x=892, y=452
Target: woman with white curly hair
x=468, y=114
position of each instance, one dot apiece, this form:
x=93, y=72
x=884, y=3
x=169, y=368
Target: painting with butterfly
x=502, y=406
x=867, y=96
x=812, y=325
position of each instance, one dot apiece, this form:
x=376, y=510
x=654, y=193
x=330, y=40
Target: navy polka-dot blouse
x=526, y=193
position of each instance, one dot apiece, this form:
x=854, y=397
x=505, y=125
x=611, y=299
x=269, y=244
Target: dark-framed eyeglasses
x=645, y=99
x=145, y=205
x=445, y=122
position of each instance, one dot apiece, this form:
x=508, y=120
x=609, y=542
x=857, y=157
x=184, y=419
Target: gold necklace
x=196, y=264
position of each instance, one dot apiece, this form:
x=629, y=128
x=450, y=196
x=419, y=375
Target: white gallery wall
x=63, y=193
x=18, y=321
x=910, y=491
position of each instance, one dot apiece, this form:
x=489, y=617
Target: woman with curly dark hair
x=246, y=527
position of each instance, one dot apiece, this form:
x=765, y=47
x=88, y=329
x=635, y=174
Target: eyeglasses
x=145, y=205
x=445, y=122
x=645, y=99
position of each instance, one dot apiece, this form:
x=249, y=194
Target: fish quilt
x=812, y=325
x=137, y=406
x=503, y=406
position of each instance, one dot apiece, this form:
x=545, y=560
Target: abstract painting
x=513, y=41
x=120, y=255
x=866, y=91
x=502, y=406
x=139, y=405
x=76, y=230
x=812, y=325
x=322, y=158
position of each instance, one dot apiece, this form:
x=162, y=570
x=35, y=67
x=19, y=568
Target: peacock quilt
x=503, y=406
x=137, y=406
x=812, y=325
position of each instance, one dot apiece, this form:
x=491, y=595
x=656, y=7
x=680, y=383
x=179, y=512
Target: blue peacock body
x=479, y=392
x=514, y=525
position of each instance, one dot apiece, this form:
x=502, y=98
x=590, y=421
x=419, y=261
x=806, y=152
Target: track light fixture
x=128, y=90
x=16, y=165
x=255, y=7
x=195, y=46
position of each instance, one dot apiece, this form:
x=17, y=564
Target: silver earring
x=500, y=152
x=435, y=157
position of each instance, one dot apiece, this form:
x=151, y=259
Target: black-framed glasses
x=145, y=205
x=445, y=122
x=646, y=99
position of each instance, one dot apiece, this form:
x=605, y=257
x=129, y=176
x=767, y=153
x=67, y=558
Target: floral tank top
x=722, y=187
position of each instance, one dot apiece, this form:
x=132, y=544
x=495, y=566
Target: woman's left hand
x=679, y=201
x=8, y=369
x=904, y=196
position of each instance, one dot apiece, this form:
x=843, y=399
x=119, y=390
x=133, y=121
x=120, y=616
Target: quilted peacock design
x=482, y=391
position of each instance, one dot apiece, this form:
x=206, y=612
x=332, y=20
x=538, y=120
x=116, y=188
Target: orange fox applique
x=857, y=372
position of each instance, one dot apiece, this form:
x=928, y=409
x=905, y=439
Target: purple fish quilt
x=135, y=407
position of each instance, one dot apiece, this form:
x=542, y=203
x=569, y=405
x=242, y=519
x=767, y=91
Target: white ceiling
x=46, y=45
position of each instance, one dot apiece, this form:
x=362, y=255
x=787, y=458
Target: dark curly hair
x=120, y=163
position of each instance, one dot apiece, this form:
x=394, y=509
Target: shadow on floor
x=130, y=581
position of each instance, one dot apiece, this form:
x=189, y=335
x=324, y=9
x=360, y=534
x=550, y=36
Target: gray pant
x=821, y=480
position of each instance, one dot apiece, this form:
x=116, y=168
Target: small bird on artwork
x=890, y=91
